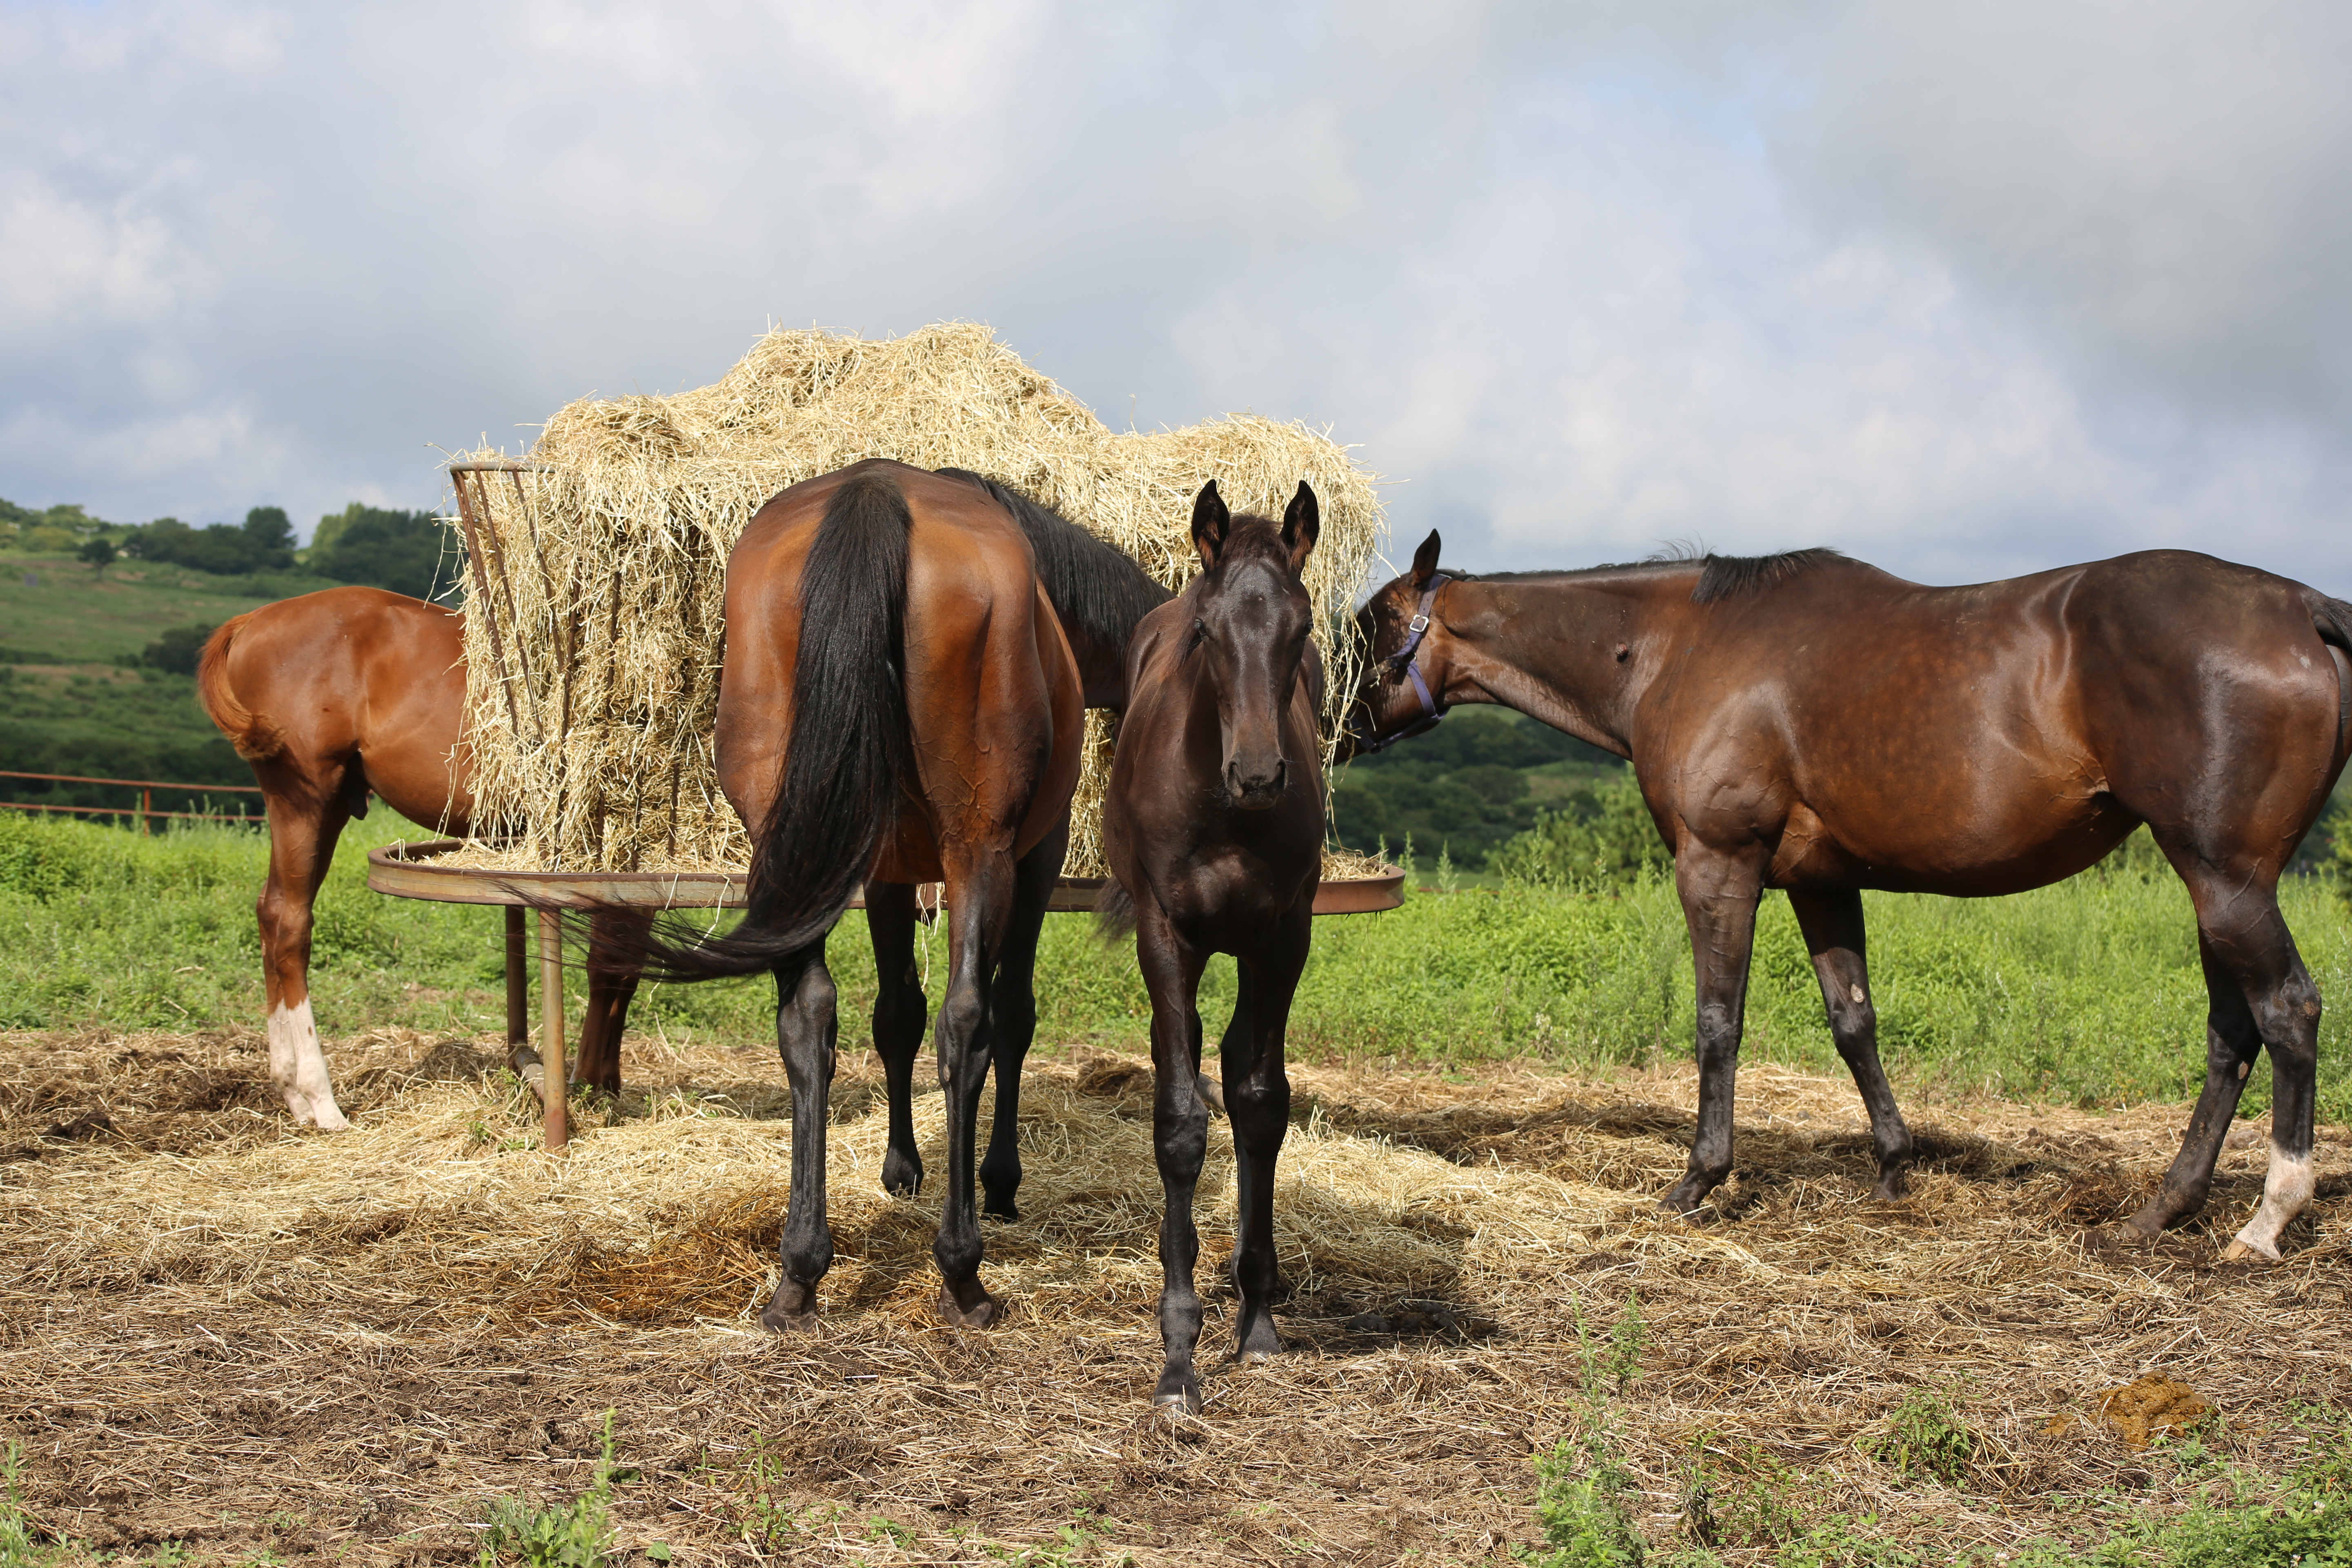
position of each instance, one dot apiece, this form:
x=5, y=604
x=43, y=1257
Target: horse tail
x=2331, y=618
x=257, y=740
x=848, y=757
x=1114, y=913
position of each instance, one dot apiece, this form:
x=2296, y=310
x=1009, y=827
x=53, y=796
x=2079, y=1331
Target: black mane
x=1095, y=588
x=1719, y=577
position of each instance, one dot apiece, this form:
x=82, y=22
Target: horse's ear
x=1425, y=560
x=1302, y=525
x=1210, y=519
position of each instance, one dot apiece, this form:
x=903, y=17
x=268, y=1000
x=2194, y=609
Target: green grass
x=2086, y=992
x=57, y=607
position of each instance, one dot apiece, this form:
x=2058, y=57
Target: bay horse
x=1809, y=722
x=900, y=704
x=332, y=696
x=1213, y=830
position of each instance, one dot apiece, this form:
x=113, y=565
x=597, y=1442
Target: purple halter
x=1431, y=710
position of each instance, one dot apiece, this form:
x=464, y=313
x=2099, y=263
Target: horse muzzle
x=1256, y=789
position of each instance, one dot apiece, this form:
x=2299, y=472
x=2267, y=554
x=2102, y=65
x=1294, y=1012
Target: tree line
x=376, y=546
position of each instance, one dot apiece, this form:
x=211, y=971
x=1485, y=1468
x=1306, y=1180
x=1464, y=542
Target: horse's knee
x=1854, y=1026
x=1257, y=1108
x=963, y=1013
x=1180, y=1138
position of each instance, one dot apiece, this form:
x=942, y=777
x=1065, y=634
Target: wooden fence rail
x=146, y=788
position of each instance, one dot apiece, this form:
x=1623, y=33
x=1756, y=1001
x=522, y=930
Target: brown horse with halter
x=333, y=695
x=1213, y=830
x=1808, y=722
x=900, y=704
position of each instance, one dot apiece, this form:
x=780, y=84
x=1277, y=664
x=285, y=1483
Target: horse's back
x=1996, y=736
x=347, y=673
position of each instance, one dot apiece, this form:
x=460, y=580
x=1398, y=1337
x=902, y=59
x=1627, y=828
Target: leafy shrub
x=1925, y=1437
x=1602, y=836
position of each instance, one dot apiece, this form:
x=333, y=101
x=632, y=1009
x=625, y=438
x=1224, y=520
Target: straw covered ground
x=597, y=576
x=216, y=1331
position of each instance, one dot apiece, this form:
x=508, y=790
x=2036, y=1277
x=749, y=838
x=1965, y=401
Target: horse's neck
x=1549, y=647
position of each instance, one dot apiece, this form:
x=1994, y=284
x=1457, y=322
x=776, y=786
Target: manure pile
x=215, y=1331
x=593, y=675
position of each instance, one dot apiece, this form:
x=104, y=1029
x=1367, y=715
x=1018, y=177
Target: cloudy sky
x=1967, y=290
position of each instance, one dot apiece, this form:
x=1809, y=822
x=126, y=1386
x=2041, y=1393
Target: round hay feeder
x=595, y=574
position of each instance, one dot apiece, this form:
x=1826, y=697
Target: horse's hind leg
x=1833, y=936
x=980, y=896
x=899, y=1014
x=2232, y=1042
x=303, y=827
x=1257, y=1101
x=1013, y=1017
x=2248, y=950
x=611, y=989
x=806, y=1028
x=1179, y=1141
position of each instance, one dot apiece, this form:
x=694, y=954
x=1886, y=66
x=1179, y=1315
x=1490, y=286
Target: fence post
x=146, y=804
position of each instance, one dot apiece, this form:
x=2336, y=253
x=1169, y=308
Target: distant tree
x=380, y=548
x=263, y=542
x=177, y=649
x=100, y=553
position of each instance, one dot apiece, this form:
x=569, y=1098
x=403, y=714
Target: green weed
x=1926, y=1437
x=1584, y=1503
x=18, y=1545
x=578, y=1535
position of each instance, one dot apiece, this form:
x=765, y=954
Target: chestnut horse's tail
x=850, y=752
x=257, y=740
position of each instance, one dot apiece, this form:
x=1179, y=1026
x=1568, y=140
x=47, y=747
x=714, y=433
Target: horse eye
x=1199, y=628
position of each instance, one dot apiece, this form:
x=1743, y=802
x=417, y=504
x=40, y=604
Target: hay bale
x=593, y=667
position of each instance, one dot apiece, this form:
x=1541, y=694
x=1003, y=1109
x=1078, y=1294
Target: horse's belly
x=1958, y=850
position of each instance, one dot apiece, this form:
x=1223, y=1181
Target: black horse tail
x=848, y=760
x=2331, y=618
x=1114, y=913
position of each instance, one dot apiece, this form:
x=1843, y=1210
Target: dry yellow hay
x=593, y=658
x=219, y=1329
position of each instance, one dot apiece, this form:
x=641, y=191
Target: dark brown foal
x=1809, y=722
x=1213, y=830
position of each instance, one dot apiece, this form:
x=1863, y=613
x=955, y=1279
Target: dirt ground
x=217, y=1331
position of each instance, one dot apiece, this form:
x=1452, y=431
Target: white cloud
x=1965, y=292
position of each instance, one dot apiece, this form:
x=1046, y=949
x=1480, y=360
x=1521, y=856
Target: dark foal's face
x=1250, y=623
x=1386, y=705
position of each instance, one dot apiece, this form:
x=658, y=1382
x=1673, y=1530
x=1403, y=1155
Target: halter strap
x=1404, y=661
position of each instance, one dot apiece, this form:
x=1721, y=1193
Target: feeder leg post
x=555, y=1083
x=518, y=981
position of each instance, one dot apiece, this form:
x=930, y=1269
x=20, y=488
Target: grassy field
x=58, y=607
x=226, y=1341
x=2087, y=993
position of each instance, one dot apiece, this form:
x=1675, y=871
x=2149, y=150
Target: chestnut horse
x=332, y=696
x=900, y=704
x=1213, y=830
x=1808, y=722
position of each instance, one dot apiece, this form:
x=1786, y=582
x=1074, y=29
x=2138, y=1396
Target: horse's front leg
x=1833, y=936
x=806, y=1028
x=1013, y=1017
x=899, y=1014
x=980, y=897
x=1257, y=1099
x=304, y=823
x=1719, y=893
x=1180, y=1139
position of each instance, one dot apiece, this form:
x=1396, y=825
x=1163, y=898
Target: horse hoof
x=901, y=1177
x=777, y=1322
x=1696, y=1214
x=1007, y=1213
x=1178, y=1394
x=2239, y=1251
x=981, y=1314
x=1255, y=1358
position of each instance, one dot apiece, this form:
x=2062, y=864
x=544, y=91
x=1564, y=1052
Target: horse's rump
x=257, y=740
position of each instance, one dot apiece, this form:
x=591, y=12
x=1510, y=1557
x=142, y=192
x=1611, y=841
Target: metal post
x=518, y=981
x=146, y=804
x=555, y=1082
